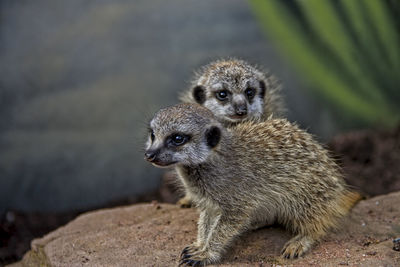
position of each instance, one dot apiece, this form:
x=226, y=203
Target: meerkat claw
x=188, y=252
x=183, y=261
x=294, y=250
x=193, y=263
x=185, y=250
x=185, y=256
x=189, y=262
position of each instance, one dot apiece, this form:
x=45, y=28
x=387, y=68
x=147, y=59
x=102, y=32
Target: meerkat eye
x=152, y=136
x=250, y=92
x=222, y=95
x=178, y=139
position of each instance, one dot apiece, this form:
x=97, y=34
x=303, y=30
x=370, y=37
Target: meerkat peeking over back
x=248, y=175
x=235, y=91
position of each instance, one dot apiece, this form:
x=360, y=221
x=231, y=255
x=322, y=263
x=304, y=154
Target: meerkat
x=248, y=175
x=235, y=91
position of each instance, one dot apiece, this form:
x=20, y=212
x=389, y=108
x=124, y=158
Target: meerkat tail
x=350, y=199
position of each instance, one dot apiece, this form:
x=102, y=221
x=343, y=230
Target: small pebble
x=396, y=244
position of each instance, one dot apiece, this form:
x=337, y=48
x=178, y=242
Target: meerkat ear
x=199, y=94
x=213, y=135
x=262, y=88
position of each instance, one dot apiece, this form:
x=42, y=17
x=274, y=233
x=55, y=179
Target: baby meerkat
x=236, y=91
x=248, y=175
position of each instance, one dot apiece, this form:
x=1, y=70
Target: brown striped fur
x=257, y=174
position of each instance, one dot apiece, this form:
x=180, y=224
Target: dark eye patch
x=250, y=93
x=213, y=136
x=262, y=89
x=199, y=94
x=151, y=133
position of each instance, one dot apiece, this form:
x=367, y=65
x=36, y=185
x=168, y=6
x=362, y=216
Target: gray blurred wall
x=80, y=79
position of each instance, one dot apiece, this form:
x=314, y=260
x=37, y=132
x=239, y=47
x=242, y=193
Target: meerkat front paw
x=193, y=256
x=187, y=254
x=185, y=202
x=296, y=247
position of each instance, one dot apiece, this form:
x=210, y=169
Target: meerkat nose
x=241, y=110
x=150, y=155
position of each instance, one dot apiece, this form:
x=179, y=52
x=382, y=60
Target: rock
x=370, y=159
x=154, y=235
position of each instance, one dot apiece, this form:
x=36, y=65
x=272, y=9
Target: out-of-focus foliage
x=347, y=50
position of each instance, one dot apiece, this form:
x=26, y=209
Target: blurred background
x=79, y=80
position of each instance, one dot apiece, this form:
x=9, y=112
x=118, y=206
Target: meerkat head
x=233, y=90
x=183, y=134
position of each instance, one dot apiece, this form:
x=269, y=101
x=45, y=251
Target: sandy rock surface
x=154, y=235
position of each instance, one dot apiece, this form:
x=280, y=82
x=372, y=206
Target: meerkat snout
x=239, y=105
x=150, y=155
